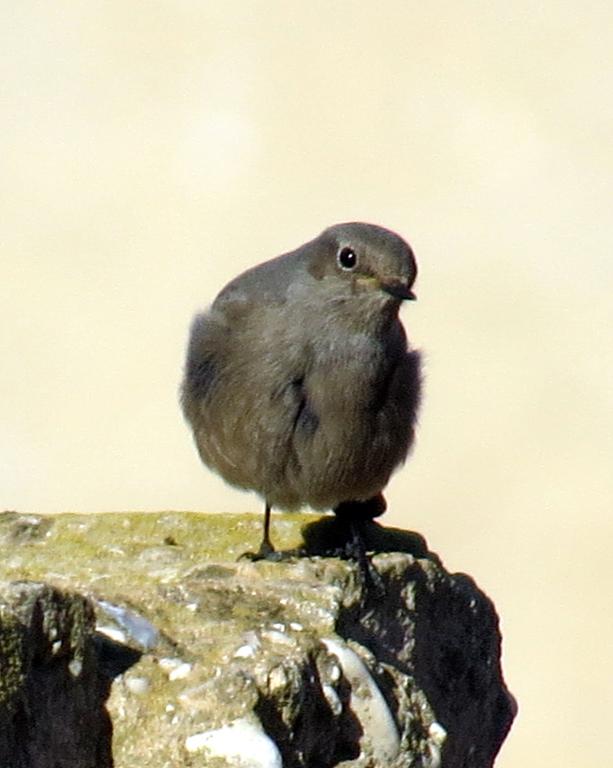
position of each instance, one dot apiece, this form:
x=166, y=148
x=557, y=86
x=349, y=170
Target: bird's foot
x=271, y=554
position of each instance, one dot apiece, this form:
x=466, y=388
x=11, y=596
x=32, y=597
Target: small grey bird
x=299, y=384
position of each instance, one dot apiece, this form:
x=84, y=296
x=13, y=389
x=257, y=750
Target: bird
x=299, y=382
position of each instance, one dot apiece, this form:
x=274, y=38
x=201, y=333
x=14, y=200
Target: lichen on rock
x=196, y=654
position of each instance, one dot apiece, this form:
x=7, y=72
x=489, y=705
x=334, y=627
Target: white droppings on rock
x=241, y=741
x=250, y=647
x=168, y=663
x=180, y=672
x=332, y=698
x=136, y=627
x=277, y=637
x=277, y=679
x=437, y=733
x=138, y=685
x=367, y=703
x=112, y=633
x=75, y=666
x=31, y=521
x=244, y=652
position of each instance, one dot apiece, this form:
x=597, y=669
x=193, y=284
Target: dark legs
x=266, y=551
x=266, y=547
x=355, y=516
x=344, y=537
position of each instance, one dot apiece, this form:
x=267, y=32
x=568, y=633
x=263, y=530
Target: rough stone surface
x=52, y=694
x=199, y=659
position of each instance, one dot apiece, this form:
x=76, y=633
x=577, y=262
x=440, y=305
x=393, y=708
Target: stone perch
x=194, y=659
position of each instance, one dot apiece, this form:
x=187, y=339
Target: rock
x=209, y=661
x=367, y=703
x=241, y=742
x=52, y=694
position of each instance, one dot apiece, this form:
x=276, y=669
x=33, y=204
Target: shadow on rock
x=328, y=537
x=55, y=679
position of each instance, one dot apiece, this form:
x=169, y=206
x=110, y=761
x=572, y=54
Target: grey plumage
x=299, y=384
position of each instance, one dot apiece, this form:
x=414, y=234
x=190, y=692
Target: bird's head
x=364, y=260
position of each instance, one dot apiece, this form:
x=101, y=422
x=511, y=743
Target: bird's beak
x=399, y=290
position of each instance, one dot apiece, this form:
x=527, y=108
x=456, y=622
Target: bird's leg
x=266, y=551
x=266, y=547
x=354, y=515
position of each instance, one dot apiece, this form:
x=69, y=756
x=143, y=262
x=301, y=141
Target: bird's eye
x=347, y=258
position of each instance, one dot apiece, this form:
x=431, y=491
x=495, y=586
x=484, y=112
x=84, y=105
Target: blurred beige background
x=151, y=151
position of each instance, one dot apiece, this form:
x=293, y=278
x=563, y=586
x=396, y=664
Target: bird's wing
x=201, y=364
